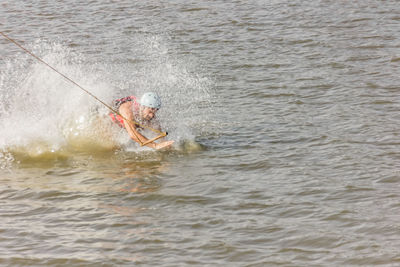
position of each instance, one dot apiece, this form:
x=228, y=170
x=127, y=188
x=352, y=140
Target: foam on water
x=42, y=115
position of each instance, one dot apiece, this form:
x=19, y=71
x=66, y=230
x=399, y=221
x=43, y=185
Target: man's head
x=150, y=103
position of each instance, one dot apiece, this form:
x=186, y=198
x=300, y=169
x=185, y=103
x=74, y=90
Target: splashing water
x=42, y=115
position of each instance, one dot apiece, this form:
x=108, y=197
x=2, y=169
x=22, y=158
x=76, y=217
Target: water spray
x=129, y=122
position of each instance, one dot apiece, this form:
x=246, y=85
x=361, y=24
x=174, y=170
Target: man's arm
x=126, y=111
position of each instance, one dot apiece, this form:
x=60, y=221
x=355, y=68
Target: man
x=142, y=112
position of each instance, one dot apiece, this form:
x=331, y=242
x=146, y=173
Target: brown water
x=285, y=113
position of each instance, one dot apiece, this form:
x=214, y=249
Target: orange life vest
x=117, y=103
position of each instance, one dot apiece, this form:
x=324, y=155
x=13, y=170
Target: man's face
x=148, y=113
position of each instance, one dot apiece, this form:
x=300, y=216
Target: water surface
x=285, y=115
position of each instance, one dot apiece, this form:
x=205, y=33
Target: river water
x=286, y=117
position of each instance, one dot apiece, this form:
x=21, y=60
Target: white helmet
x=151, y=100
